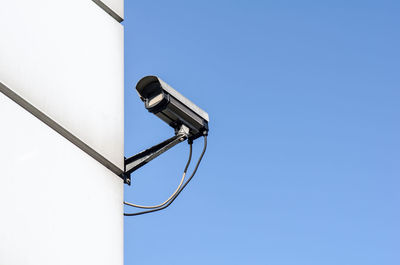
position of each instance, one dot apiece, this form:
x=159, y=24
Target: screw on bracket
x=127, y=178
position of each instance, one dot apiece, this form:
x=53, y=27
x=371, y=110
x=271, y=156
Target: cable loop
x=181, y=189
x=173, y=194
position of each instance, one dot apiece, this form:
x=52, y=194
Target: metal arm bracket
x=137, y=161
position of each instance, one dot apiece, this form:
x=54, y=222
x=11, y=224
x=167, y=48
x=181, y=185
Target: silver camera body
x=172, y=107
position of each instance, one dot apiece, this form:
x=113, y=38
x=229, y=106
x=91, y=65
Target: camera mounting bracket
x=137, y=161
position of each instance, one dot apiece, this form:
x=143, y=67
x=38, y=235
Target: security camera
x=189, y=121
x=170, y=106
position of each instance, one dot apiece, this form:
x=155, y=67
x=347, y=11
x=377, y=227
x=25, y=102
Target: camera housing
x=172, y=107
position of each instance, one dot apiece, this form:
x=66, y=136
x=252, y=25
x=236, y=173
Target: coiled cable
x=168, y=203
x=173, y=194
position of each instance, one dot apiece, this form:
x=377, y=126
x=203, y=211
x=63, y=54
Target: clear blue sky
x=303, y=164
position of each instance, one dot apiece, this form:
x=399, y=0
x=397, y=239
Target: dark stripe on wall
x=59, y=129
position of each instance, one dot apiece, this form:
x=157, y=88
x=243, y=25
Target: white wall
x=58, y=205
x=66, y=59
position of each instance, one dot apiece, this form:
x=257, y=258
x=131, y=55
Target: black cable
x=184, y=185
x=173, y=194
x=190, y=157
